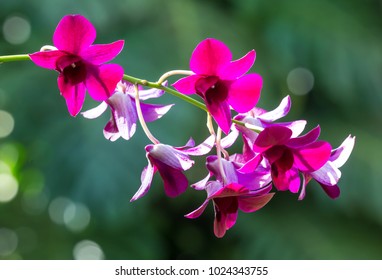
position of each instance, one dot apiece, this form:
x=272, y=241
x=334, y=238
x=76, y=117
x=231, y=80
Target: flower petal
x=202, y=184
x=186, y=85
x=146, y=179
x=221, y=113
x=332, y=191
x=225, y=214
x=175, y=182
x=101, y=53
x=244, y=93
x=95, y=112
x=74, y=34
x=169, y=156
x=328, y=174
x=250, y=204
x=340, y=155
x=281, y=111
x=312, y=157
x=271, y=136
x=306, y=139
x=228, y=168
x=209, y=57
x=102, y=80
x=285, y=180
x=238, y=68
x=124, y=114
x=47, y=59
x=203, y=148
x=153, y=112
x=73, y=94
x=148, y=93
x=230, y=139
x=110, y=131
x=197, y=212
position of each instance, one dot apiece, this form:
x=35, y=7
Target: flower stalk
x=141, y=119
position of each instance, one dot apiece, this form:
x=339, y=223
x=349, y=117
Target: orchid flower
x=79, y=63
x=171, y=162
x=329, y=174
x=221, y=82
x=287, y=156
x=245, y=192
x=123, y=121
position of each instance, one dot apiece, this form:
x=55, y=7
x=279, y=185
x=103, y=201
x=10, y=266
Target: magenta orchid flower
x=80, y=64
x=289, y=156
x=221, y=82
x=123, y=121
x=237, y=191
x=329, y=174
x=171, y=162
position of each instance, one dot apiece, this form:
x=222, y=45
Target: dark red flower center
x=72, y=68
x=212, y=89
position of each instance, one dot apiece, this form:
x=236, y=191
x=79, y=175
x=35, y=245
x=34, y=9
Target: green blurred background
x=65, y=190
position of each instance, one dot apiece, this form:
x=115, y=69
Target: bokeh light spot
x=300, y=81
x=8, y=242
x=76, y=217
x=87, y=250
x=16, y=30
x=7, y=124
x=57, y=208
x=8, y=187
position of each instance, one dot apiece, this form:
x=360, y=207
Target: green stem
x=17, y=57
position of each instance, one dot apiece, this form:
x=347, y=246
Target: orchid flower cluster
x=275, y=155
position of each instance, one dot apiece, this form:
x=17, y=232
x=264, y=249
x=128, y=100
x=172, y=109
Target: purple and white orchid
x=123, y=121
x=171, y=162
x=221, y=82
x=79, y=63
x=232, y=191
x=329, y=174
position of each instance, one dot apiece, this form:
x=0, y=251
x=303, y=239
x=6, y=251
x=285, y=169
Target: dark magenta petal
x=209, y=57
x=225, y=214
x=238, y=68
x=197, y=212
x=74, y=33
x=221, y=114
x=332, y=191
x=186, y=85
x=175, y=182
x=47, y=59
x=312, y=157
x=249, y=204
x=244, y=93
x=285, y=180
x=73, y=94
x=98, y=54
x=306, y=139
x=271, y=136
x=102, y=80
